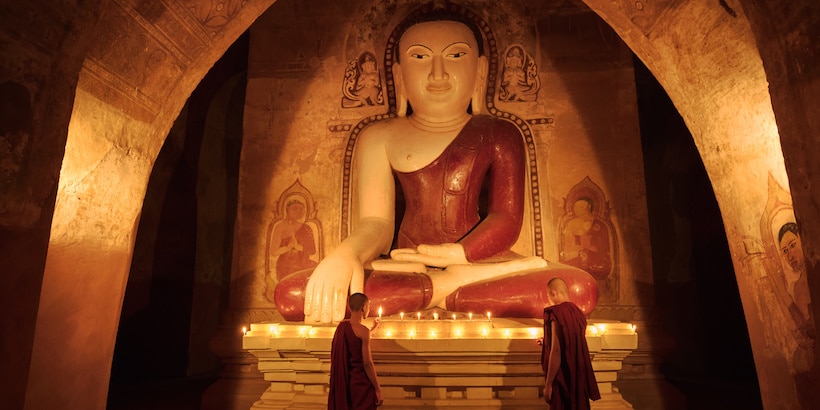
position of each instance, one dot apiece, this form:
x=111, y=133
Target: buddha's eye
x=418, y=56
x=457, y=54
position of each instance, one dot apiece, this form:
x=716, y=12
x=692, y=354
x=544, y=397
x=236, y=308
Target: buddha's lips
x=438, y=89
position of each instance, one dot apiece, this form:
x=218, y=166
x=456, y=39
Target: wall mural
x=293, y=237
x=588, y=237
x=519, y=78
x=362, y=82
x=784, y=288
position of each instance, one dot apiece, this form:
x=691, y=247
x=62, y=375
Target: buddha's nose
x=438, y=73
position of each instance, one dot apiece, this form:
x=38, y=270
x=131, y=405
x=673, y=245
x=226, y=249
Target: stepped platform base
x=440, y=362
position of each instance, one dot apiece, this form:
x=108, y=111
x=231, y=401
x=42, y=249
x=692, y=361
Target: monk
x=354, y=384
x=443, y=152
x=570, y=381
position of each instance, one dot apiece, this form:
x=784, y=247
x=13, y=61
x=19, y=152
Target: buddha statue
x=443, y=151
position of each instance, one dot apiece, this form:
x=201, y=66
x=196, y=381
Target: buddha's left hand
x=440, y=256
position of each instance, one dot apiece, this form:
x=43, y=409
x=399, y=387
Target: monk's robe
x=575, y=382
x=350, y=388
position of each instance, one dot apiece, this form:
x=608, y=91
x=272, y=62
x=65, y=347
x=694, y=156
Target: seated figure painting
x=447, y=154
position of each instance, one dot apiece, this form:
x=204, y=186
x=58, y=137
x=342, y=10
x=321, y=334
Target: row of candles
x=437, y=328
x=436, y=315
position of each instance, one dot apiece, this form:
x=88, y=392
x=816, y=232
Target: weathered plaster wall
x=123, y=109
x=715, y=78
x=41, y=51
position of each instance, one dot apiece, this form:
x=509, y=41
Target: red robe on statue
x=441, y=202
x=350, y=388
x=575, y=382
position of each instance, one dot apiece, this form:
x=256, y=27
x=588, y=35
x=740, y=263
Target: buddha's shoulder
x=385, y=128
x=496, y=123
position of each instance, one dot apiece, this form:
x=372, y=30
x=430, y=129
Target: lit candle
x=454, y=316
x=471, y=315
x=489, y=316
x=435, y=315
x=244, y=330
x=380, y=312
x=401, y=315
x=418, y=315
x=631, y=326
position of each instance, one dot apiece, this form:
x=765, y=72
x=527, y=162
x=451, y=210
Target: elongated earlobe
x=401, y=98
x=477, y=103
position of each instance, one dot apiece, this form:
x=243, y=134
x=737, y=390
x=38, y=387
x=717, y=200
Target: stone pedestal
x=469, y=364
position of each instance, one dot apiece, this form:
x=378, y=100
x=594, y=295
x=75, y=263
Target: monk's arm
x=369, y=367
x=554, y=361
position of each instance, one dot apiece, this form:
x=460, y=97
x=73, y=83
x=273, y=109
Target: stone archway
x=714, y=75
x=136, y=76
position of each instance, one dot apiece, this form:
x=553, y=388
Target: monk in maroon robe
x=570, y=381
x=354, y=384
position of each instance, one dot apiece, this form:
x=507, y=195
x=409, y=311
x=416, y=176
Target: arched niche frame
x=295, y=192
x=605, y=268
x=533, y=195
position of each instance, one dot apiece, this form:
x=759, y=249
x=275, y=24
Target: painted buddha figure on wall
x=444, y=152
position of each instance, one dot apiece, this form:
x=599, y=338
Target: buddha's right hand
x=327, y=289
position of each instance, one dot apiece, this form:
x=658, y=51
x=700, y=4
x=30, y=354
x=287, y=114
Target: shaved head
x=356, y=301
x=558, y=285
x=558, y=291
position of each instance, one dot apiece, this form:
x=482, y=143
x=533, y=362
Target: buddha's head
x=791, y=248
x=440, y=66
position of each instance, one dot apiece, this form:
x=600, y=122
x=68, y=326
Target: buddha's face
x=295, y=210
x=439, y=68
x=581, y=208
x=791, y=249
